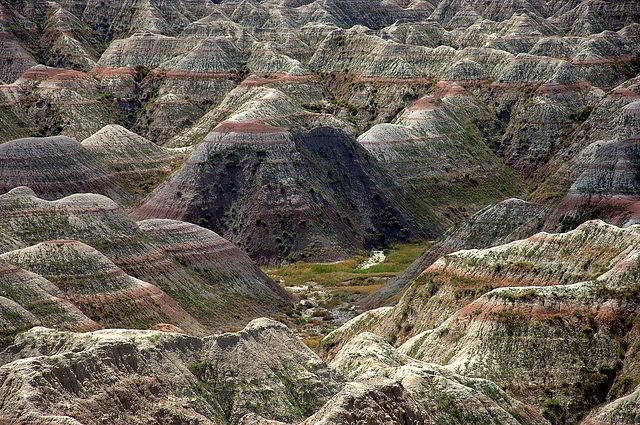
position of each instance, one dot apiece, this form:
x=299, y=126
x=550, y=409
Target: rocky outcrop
x=280, y=101
x=125, y=376
x=557, y=306
x=496, y=224
x=621, y=411
x=333, y=342
x=543, y=259
x=457, y=103
x=56, y=100
x=377, y=400
x=392, y=388
x=607, y=122
x=442, y=396
x=607, y=189
x=15, y=58
x=514, y=332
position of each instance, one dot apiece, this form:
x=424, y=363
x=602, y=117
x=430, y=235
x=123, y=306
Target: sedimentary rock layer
x=496, y=224
x=184, y=260
x=114, y=162
x=103, y=292
x=434, y=150
x=552, y=302
x=163, y=377
x=277, y=193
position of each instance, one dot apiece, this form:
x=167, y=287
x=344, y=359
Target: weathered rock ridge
x=478, y=97
x=557, y=309
x=114, y=162
x=121, y=376
x=497, y=224
x=173, y=266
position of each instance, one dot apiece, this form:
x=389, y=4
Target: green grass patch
x=346, y=273
x=378, y=268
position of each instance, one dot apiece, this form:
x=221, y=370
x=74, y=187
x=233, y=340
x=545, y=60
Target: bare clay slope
x=262, y=374
x=435, y=150
x=30, y=300
x=101, y=290
x=114, y=162
x=280, y=194
x=511, y=82
x=210, y=278
x=608, y=187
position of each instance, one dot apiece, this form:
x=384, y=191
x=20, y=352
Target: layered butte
x=101, y=290
x=556, y=308
x=280, y=193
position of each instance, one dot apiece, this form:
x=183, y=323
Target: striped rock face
x=278, y=193
x=165, y=377
x=151, y=151
x=99, y=288
x=159, y=271
x=553, y=302
x=113, y=162
x=496, y=224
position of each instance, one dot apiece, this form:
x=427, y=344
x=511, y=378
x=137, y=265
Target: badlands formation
x=153, y=155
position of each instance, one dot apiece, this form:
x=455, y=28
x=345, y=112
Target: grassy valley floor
x=330, y=292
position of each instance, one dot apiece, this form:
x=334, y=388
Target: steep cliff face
x=606, y=122
x=16, y=59
x=428, y=111
x=52, y=101
x=210, y=278
x=515, y=82
x=607, y=189
x=621, y=411
x=260, y=375
x=607, y=165
x=527, y=332
x=554, y=108
x=279, y=101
